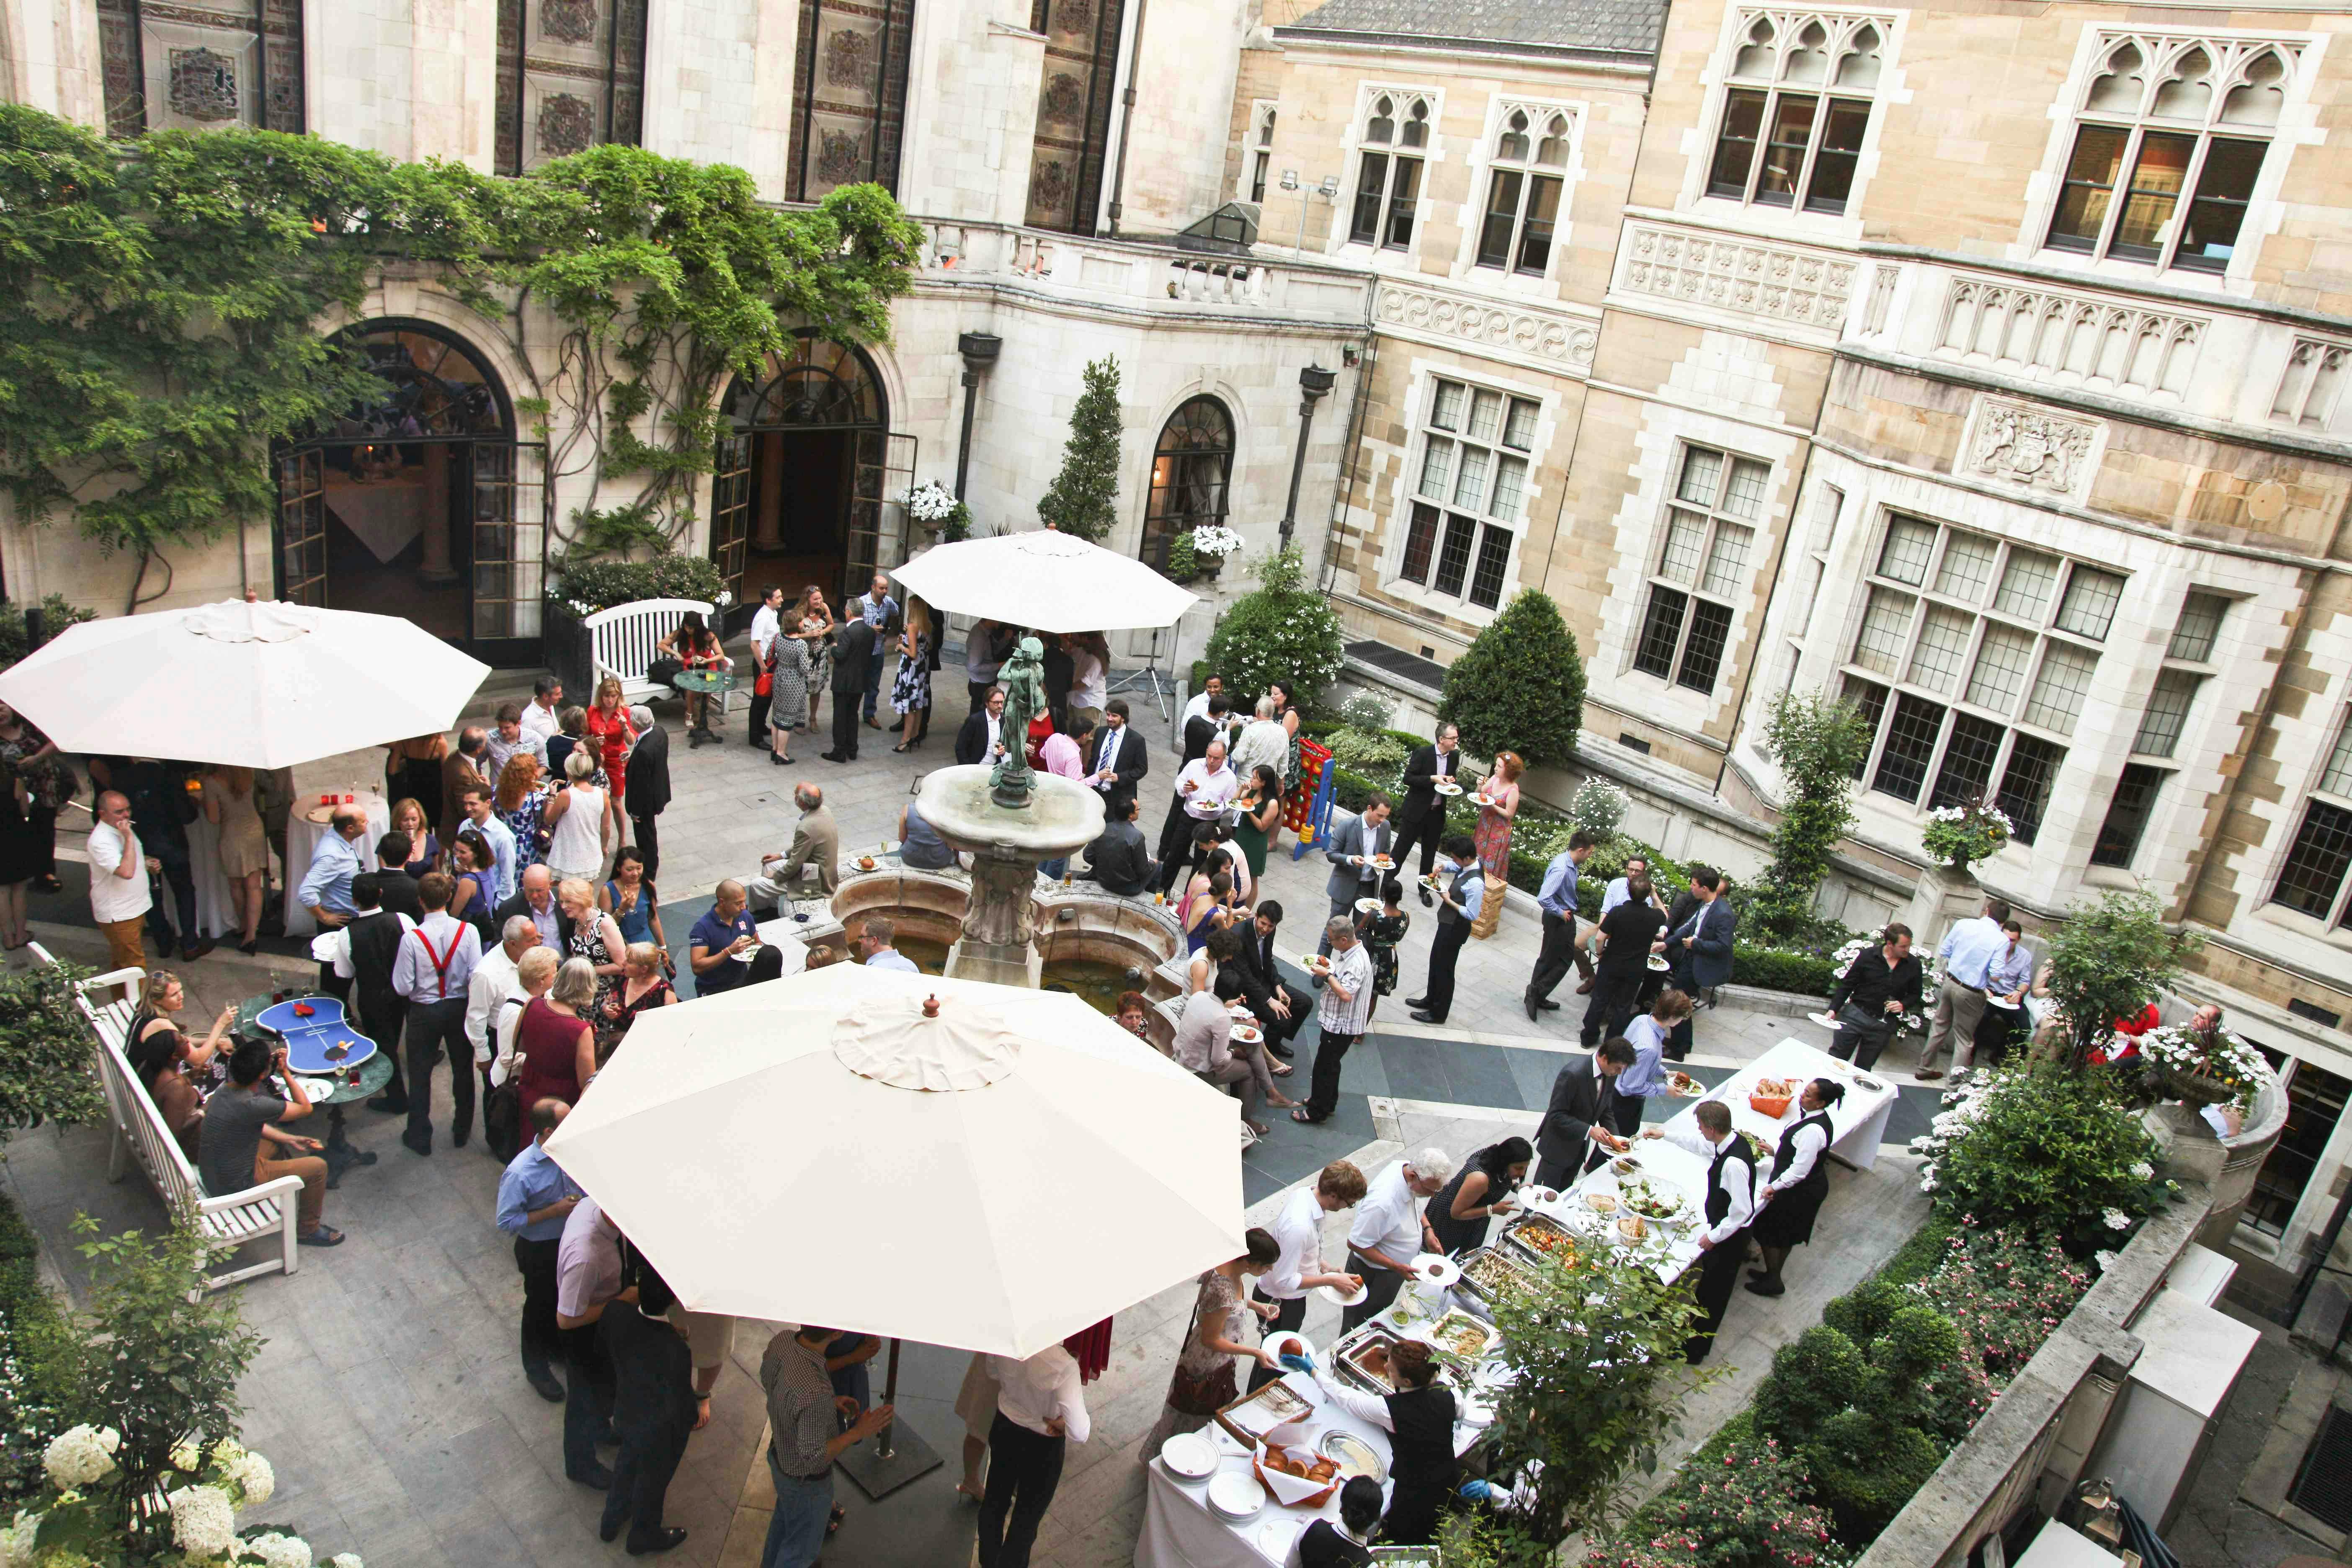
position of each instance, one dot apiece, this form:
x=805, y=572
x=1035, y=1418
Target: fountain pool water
x=1099, y=984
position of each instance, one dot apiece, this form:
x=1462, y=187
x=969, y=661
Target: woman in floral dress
x=1499, y=803
x=521, y=797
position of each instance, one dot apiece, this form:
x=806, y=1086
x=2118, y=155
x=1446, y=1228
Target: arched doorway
x=422, y=504
x=1192, y=466
x=807, y=476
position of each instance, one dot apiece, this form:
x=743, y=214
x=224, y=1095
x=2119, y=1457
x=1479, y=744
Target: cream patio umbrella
x=261, y=685
x=1045, y=580
x=995, y=1177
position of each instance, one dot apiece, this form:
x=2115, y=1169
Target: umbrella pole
x=894, y=1459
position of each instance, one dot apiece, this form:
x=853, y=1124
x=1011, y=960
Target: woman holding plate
x=1792, y=1194
x=1498, y=803
x=1204, y=1382
x=1479, y=1190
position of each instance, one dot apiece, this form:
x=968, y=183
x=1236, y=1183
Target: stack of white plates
x=1190, y=1455
x=1235, y=1494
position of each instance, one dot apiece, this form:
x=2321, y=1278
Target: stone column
x=1000, y=927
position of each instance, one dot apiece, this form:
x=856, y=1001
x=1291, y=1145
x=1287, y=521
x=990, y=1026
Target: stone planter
x=570, y=655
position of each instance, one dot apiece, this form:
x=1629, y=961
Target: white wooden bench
x=139, y=1132
x=620, y=640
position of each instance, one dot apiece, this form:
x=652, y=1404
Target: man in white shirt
x=1730, y=1203
x=435, y=968
x=1297, y=1229
x=495, y=978
x=1198, y=707
x=539, y=716
x=119, y=895
x=1634, y=867
x=1204, y=787
x=1342, y=1015
x=1390, y=1230
x=766, y=621
x=877, y=609
x=1968, y=950
x=1040, y=1410
x=508, y=737
x=476, y=805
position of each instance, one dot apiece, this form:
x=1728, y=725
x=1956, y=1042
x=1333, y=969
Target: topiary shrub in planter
x=1281, y=630
x=586, y=586
x=1519, y=686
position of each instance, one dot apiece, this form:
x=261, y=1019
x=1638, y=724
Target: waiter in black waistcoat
x=1730, y=1203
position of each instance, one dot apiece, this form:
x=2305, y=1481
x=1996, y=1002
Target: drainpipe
x=1126, y=116
x=979, y=351
x=1315, y=384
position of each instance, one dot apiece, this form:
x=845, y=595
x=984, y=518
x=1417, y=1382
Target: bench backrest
x=623, y=637
x=132, y=1108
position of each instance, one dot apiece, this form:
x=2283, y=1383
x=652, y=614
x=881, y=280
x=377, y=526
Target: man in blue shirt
x=877, y=609
x=535, y=1197
x=1457, y=909
x=326, y=888
x=1558, y=899
x=718, y=937
x=1967, y=949
x=873, y=941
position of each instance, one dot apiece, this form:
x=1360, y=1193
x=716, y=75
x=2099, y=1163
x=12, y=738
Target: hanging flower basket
x=2195, y=1069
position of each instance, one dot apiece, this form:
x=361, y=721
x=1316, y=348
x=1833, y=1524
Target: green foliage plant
x=1282, y=630
x=45, y=1073
x=1819, y=743
x=2110, y=957
x=1599, y=1382
x=169, y=324
x=1742, y=1507
x=2044, y=1147
x=56, y=615
x=1184, y=561
x=1367, y=711
x=1084, y=497
x=587, y=584
x=1518, y=687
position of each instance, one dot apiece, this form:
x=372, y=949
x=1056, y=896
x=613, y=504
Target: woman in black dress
x=1479, y=1190
x=1799, y=1179
x=1419, y=1419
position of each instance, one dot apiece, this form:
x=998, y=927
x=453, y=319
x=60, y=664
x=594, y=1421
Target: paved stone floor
x=389, y=1393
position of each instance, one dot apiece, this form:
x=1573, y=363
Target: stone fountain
x=1009, y=817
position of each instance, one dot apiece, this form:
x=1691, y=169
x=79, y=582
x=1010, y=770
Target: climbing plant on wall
x=167, y=321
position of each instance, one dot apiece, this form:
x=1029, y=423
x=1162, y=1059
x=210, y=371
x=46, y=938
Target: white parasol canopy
x=262, y=685
x=815, y=1149
x=1049, y=581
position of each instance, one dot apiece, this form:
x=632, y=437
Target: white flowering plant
x=2044, y=1147
x=933, y=504
x=2185, y=1065
x=1957, y=834
x=1214, y=542
x=204, y=1489
x=1598, y=806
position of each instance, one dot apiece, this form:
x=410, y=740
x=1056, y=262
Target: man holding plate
x=1354, y=850
x=1429, y=785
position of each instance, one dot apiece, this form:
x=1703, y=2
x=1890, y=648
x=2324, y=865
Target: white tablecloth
x=302, y=837
x=1858, y=1122
x=1662, y=1165
x=385, y=513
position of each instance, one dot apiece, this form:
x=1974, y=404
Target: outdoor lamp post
x=1315, y=383
x=979, y=351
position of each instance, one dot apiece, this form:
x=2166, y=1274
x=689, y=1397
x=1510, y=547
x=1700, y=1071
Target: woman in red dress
x=608, y=717
x=555, y=1048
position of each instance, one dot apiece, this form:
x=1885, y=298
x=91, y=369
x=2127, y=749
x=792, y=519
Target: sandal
x=964, y=1490
x=1260, y=1128
x=1281, y=1069
x=1304, y=1119
x=702, y=1419
x=833, y=1523
x=324, y=1236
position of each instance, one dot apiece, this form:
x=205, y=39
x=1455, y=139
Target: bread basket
x=1774, y=1105
x=1294, y=1491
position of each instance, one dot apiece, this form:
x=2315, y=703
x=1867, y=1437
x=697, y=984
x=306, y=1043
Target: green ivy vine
x=166, y=324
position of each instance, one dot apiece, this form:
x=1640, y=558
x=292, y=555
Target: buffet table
x=1858, y=1123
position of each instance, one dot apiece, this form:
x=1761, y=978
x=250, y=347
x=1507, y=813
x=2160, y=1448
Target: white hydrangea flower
x=227, y=1451
x=204, y=1521
x=275, y=1551
x=345, y=1560
x=251, y=1475
x=186, y=1456
x=81, y=1455
x=16, y=1540
x=2116, y=1219
x=2142, y=1172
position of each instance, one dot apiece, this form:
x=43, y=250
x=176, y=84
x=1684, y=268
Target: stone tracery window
x=1803, y=86
x=1392, y=149
x=1525, y=176
x=201, y=65
x=849, y=95
x=2167, y=145
x=572, y=75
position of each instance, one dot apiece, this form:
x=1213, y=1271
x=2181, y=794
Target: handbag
x=1200, y=1393
x=665, y=670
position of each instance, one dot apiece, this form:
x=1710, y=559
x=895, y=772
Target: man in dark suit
x=1566, y=1144
x=981, y=738
x=375, y=934
x=1627, y=933
x=534, y=896
x=648, y=791
x=397, y=888
x=1282, y=1009
x=1116, y=764
x=1351, y=848
x=1699, y=947
x=1421, y=821
x=1119, y=859
x=852, y=653
x=461, y=770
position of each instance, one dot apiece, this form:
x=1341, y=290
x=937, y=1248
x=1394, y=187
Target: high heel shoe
x=248, y=947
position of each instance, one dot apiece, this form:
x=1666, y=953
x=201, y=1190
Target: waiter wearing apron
x=1419, y=1419
x=1730, y=1203
x=1800, y=1181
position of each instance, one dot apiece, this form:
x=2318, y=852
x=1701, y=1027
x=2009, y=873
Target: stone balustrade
x=1141, y=276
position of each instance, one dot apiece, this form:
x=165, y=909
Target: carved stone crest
x=1050, y=192
x=849, y=59
x=1074, y=16
x=840, y=156
x=204, y=84
x=2021, y=445
x=1065, y=99
x=567, y=124
x=569, y=21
